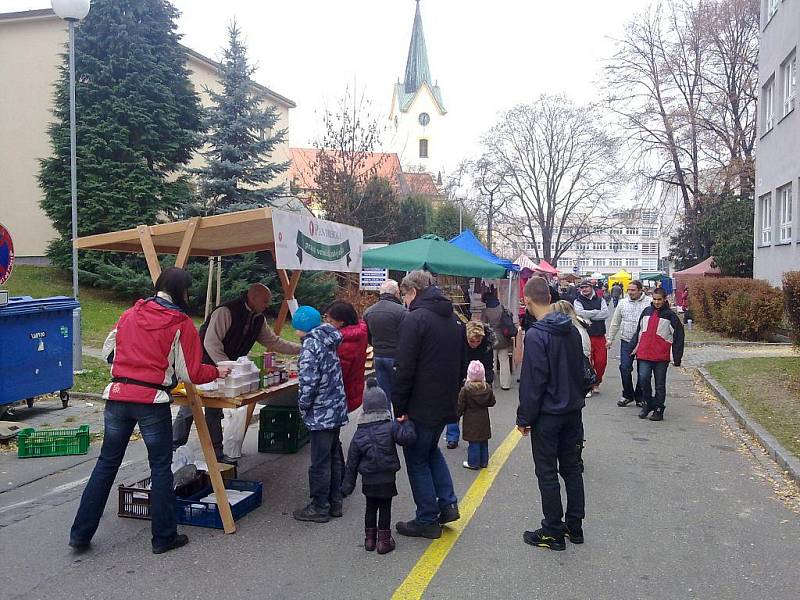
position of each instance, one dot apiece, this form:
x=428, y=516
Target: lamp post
x=73, y=11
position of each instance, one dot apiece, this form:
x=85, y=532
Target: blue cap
x=306, y=318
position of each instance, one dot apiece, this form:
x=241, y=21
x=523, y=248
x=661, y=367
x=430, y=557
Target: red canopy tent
x=707, y=268
x=546, y=267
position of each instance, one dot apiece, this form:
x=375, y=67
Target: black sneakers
x=80, y=547
x=644, y=412
x=413, y=528
x=179, y=541
x=658, y=414
x=336, y=510
x=624, y=401
x=452, y=445
x=311, y=513
x=449, y=514
x=541, y=539
x=574, y=533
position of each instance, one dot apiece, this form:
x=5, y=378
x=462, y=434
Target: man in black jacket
x=551, y=398
x=383, y=322
x=430, y=366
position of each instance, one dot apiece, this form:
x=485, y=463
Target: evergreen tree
x=445, y=221
x=138, y=122
x=415, y=215
x=241, y=137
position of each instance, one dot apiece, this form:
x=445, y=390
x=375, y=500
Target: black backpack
x=508, y=328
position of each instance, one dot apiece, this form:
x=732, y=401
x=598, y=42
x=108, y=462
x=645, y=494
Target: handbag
x=589, y=374
x=404, y=432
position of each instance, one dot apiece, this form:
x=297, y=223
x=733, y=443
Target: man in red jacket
x=660, y=330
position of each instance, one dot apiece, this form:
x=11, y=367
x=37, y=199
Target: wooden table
x=197, y=402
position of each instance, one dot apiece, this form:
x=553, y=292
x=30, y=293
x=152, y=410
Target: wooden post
x=289, y=287
x=186, y=244
x=149, y=252
x=211, y=460
x=210, y=286
x=219, y=280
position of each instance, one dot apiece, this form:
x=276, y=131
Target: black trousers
x=556, y=441
x=376, y=507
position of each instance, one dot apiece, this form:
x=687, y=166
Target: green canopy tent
x=433, y=254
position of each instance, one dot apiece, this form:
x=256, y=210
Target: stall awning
x=466, y=240
x=528, y=267
x=433, y=254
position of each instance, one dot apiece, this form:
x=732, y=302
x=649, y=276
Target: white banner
x=372, y=278
x=308, y=244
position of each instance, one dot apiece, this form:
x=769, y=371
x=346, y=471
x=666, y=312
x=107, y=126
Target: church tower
x=417, y=114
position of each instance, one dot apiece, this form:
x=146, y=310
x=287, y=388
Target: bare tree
x=555, y=168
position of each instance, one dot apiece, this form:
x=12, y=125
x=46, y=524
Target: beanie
x=475, y=371
x=374, y=397
x=475, y=329
x=306, y=318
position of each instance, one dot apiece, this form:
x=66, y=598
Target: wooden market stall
x=228, y=234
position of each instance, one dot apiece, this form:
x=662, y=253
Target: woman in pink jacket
x=154, y=344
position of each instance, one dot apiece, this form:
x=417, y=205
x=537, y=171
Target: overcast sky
x=486, y=56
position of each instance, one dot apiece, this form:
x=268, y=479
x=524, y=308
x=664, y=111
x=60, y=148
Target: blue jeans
x=658, y=371
x=384, y=371
x=326, y=470
x=155, y=424
x=431, y=484
x=478, y=454
x=626, y=371
x=452, y=432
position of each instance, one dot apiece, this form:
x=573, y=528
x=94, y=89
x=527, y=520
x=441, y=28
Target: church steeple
x=417, y=68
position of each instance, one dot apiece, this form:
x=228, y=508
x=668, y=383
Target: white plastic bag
x=232, y=429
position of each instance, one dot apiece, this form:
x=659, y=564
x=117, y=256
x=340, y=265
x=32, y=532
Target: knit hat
x=306, y=318
x=375, y=406
x=475, y=371
x=475, y=329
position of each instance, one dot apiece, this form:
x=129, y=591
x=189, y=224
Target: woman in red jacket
x=154, y=345
x=352, y=351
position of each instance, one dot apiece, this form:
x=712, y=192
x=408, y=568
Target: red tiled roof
x=421, y=184
x=301, y=168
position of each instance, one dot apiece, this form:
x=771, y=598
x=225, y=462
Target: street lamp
x=73, y=11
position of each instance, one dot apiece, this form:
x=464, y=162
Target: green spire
x=417, y=69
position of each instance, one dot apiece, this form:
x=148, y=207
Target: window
x=768, y=105
x=632, y=262
x=616, y=231
x=599, y=262
x=650, y=264
x=632, y=231
x=615, y=262
x=631, y=246
x=584, y=262
x=583, y=246
x=649, y=216
x=649, y=248
x=423, y=148
x=599, y=245
x=765, y=212
x=785, y=213
x=617, y=247
x=789, y=83
x=649, y=233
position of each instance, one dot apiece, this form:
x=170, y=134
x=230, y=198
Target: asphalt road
x=674, y=510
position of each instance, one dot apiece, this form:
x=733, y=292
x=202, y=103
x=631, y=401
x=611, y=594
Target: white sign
x=373, y=277
x=308, y=244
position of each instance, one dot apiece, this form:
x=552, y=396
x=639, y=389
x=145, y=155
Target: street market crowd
x=434, y=374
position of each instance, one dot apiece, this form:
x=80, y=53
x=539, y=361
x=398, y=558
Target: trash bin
x=35, y=349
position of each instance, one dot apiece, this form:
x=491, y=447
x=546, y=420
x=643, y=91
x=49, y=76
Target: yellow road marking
x=417, y=581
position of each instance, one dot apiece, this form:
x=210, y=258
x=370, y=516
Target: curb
x=736, y=343
x=85, y=396
x=785, y=459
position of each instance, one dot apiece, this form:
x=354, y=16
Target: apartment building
x=777, y=239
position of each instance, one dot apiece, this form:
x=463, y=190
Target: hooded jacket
x=353, y=359
x=484, y=352
x=383, y=320
x=373, y=454
x=154, y=343
x=551, y=380
x=321, y=397
x=474, y=401
x=430, y=363
x=658, y=332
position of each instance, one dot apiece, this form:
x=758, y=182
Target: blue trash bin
x=35, y=348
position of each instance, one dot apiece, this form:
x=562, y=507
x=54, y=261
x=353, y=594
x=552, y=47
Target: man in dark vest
x=230, y=331
x=594, y=309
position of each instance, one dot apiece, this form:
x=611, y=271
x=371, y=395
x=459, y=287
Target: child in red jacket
x=352, y=351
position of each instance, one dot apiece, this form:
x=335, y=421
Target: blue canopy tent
x=467, y=241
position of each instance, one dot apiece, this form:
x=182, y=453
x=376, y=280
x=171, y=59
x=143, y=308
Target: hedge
x=791, y=296
x=745, y=309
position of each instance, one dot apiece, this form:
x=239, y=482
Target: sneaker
x=79, y=547
x=432, y=531
x=589, y=394
x=596, y=389
x=228, y=460
x=644, y=412
x=179, y=541
x=639, y=403
x=335, y=510
x=624, y=401
x=658, y=415
x=311, y=513
x=452, y=445
x=450, y=512
x=541, y=539
x=466, y=465
x=574, y=533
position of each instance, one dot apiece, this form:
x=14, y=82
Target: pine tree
x=241, y=137
x=138, y=122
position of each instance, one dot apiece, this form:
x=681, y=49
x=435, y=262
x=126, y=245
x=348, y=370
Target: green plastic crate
x=53, y=442
x=281, y=430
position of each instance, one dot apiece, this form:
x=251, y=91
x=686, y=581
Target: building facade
x=31, y=44
x=417, y=117
x=777, y=239
x=636, y=242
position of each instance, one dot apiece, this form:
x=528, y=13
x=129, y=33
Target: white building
x=417, y=117
x=636, y=242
